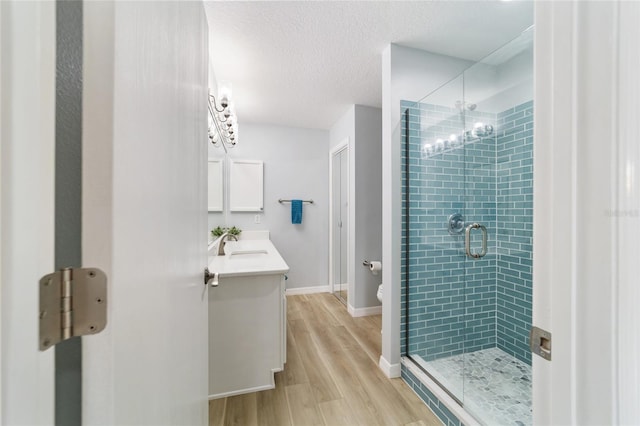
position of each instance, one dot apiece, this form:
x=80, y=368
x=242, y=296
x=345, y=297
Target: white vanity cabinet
x=247, y=322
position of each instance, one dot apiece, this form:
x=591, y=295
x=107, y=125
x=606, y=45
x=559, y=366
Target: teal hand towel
x=296, y=211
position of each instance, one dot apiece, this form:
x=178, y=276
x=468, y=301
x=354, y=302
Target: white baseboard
x=364, y=312
x=307, y=290
x=241, y=391
x=390, y=370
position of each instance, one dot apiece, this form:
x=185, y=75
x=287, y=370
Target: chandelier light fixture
x=223, y=123
x=441, y=145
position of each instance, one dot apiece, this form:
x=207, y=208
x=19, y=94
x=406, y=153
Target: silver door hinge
x=73, y=302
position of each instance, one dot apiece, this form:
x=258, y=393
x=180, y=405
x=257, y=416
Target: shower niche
x=468, y=219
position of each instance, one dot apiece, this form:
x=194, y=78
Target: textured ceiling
x=302, y=63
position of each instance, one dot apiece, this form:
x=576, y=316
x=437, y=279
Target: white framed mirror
x=246, y=185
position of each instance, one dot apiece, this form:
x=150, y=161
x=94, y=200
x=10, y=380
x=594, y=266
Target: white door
x=27, y=114
x=339, y=218
x=143, y=209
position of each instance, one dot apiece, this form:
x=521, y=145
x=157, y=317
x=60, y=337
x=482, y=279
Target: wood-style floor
x=331, y=376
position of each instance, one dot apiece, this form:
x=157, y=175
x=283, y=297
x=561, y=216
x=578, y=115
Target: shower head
x=460, y=105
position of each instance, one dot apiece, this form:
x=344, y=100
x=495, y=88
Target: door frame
x=1, y=210
x=342, y=146
x=586, y=229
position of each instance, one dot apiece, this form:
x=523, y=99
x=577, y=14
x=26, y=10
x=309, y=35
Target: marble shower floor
x=497, y=386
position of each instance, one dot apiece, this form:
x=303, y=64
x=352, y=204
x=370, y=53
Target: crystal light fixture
x=223, y=123
x=479, y=132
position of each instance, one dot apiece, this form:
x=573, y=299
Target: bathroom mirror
x=215, y=185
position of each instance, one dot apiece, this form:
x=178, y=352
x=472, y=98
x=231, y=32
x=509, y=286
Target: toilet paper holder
x=374, y=266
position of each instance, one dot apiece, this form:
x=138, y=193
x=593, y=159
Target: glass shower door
x=479, y=250
x=435, y=212
x=451, y=221
x=498, y=92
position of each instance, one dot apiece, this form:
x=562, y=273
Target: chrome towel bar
x=288, y=201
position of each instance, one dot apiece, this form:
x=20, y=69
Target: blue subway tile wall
x=514, y=214
x=479, y=207
x=457, y=304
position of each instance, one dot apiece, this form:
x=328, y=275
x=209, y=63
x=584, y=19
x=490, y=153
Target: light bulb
x=229, y=111
x=427, y=149
x=478, y=129
x=439, y=145
x=224, y=93
x=453, y=140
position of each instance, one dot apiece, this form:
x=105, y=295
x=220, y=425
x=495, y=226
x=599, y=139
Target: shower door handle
x=467, y=241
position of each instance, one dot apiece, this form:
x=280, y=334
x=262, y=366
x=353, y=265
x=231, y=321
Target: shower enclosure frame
x=405, y=255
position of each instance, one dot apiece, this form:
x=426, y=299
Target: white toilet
x=379, y=295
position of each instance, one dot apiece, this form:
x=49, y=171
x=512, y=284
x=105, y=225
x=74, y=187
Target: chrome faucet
x=222, y=242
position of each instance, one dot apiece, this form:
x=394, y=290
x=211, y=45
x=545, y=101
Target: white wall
x=368, y=202
x=407, y=74
x=514, y=84
x=497, y=83
x=363, y=127
x=213, y=81
x=344, y=128
x=295, y=167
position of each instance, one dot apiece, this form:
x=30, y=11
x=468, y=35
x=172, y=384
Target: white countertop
x=248, y=257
